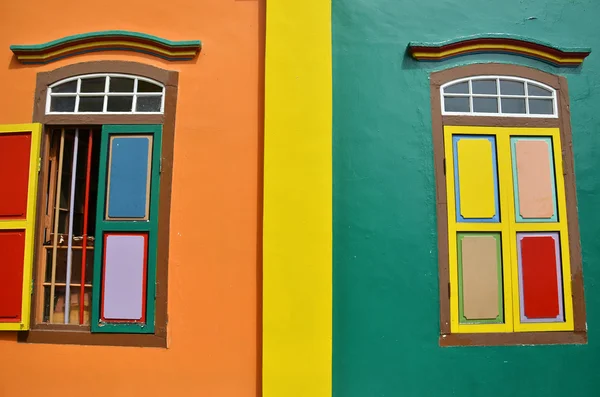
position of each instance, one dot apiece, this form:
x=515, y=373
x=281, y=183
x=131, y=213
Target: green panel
x=385, y=255
x=461, y=318
x=150, y=226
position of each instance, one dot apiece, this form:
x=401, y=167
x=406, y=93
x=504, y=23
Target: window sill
x=513, y=339
x=82, y=336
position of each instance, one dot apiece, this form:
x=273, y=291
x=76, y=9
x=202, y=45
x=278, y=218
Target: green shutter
x=126, y=229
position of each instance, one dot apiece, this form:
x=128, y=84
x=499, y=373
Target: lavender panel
x=124, y=277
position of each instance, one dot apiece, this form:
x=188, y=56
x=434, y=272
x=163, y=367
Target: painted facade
x=214, y=211
x=318, y=198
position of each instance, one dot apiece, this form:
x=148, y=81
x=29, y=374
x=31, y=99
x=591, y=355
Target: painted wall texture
x=385, y=282
x=214, y=246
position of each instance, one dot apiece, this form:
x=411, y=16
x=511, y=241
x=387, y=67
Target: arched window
x=509, y=251
x=106, y=93
x=498, y=96
x=100, y=241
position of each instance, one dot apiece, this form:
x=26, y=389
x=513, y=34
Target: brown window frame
x=81, y=335
x=563, y=122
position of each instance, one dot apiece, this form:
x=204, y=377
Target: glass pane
x=541, y=106
x=120, y=84
x=148, y=104
x=513, y=105
x=144, y=86
x=485, y=105
x=62, y=104
x=91, y=103
x=70, y=86
x=534, y=90
x=119, y=103
x=96, y=84
x=61, y=263
x=456, y=104
x=484, y=86
x=508, y=87
x=59, y=305
x=459, y=88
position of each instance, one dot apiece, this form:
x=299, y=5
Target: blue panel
x=459, y=217
x=128, y=177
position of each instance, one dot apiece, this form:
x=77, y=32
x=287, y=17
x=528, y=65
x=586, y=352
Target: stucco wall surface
x=386, y=313
x=214, y=246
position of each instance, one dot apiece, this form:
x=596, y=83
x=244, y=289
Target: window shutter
x=126, y=229
x=19, y=156
x=477, y=233
x=541, y=265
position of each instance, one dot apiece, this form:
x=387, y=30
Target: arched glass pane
x=456, y=104
x=121, y=84
x=458, y=88
x=508, y=87
x=540, y=106
x=535, y=90
x=484, y=87
x=145, y=86
x=105, y=93
x=69, y=86
x=499, y=95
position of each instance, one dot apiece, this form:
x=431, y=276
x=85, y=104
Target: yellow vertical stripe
x=297, y=225
x=476, y=176
x=29, y=223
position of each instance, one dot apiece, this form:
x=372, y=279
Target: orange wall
x=214, y=256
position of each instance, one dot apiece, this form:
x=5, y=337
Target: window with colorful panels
x=84, y=253
x=510, y=265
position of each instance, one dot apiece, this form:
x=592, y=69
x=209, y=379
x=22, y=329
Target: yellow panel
x=297, y=228
x=29, y=223
x=476, y=178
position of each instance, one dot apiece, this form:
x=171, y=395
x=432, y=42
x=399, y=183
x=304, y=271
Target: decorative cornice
x=499, y=44
x=109, y=40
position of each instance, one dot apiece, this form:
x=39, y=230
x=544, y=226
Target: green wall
x=386, y=309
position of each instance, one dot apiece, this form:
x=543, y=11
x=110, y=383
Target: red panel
x=14, y=175
x=540, y=285
x=12, y=247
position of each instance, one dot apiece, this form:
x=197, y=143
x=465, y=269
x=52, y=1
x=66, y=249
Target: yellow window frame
x=508, y=227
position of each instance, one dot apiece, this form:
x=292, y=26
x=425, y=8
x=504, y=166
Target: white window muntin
x=498, y=96
x=105, y=94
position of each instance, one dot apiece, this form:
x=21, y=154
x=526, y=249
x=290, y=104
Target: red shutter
x=19, y=151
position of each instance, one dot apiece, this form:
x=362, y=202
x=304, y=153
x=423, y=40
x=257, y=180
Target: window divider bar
x=134, y=102
x=471, y=96
x=70, y=234
x=56, y=217
x=86, y=203
x=76, y=108
x=499, y=96
x=526, y=98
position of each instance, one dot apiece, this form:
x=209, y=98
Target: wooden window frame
x=563, y=123
x=81, y=335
